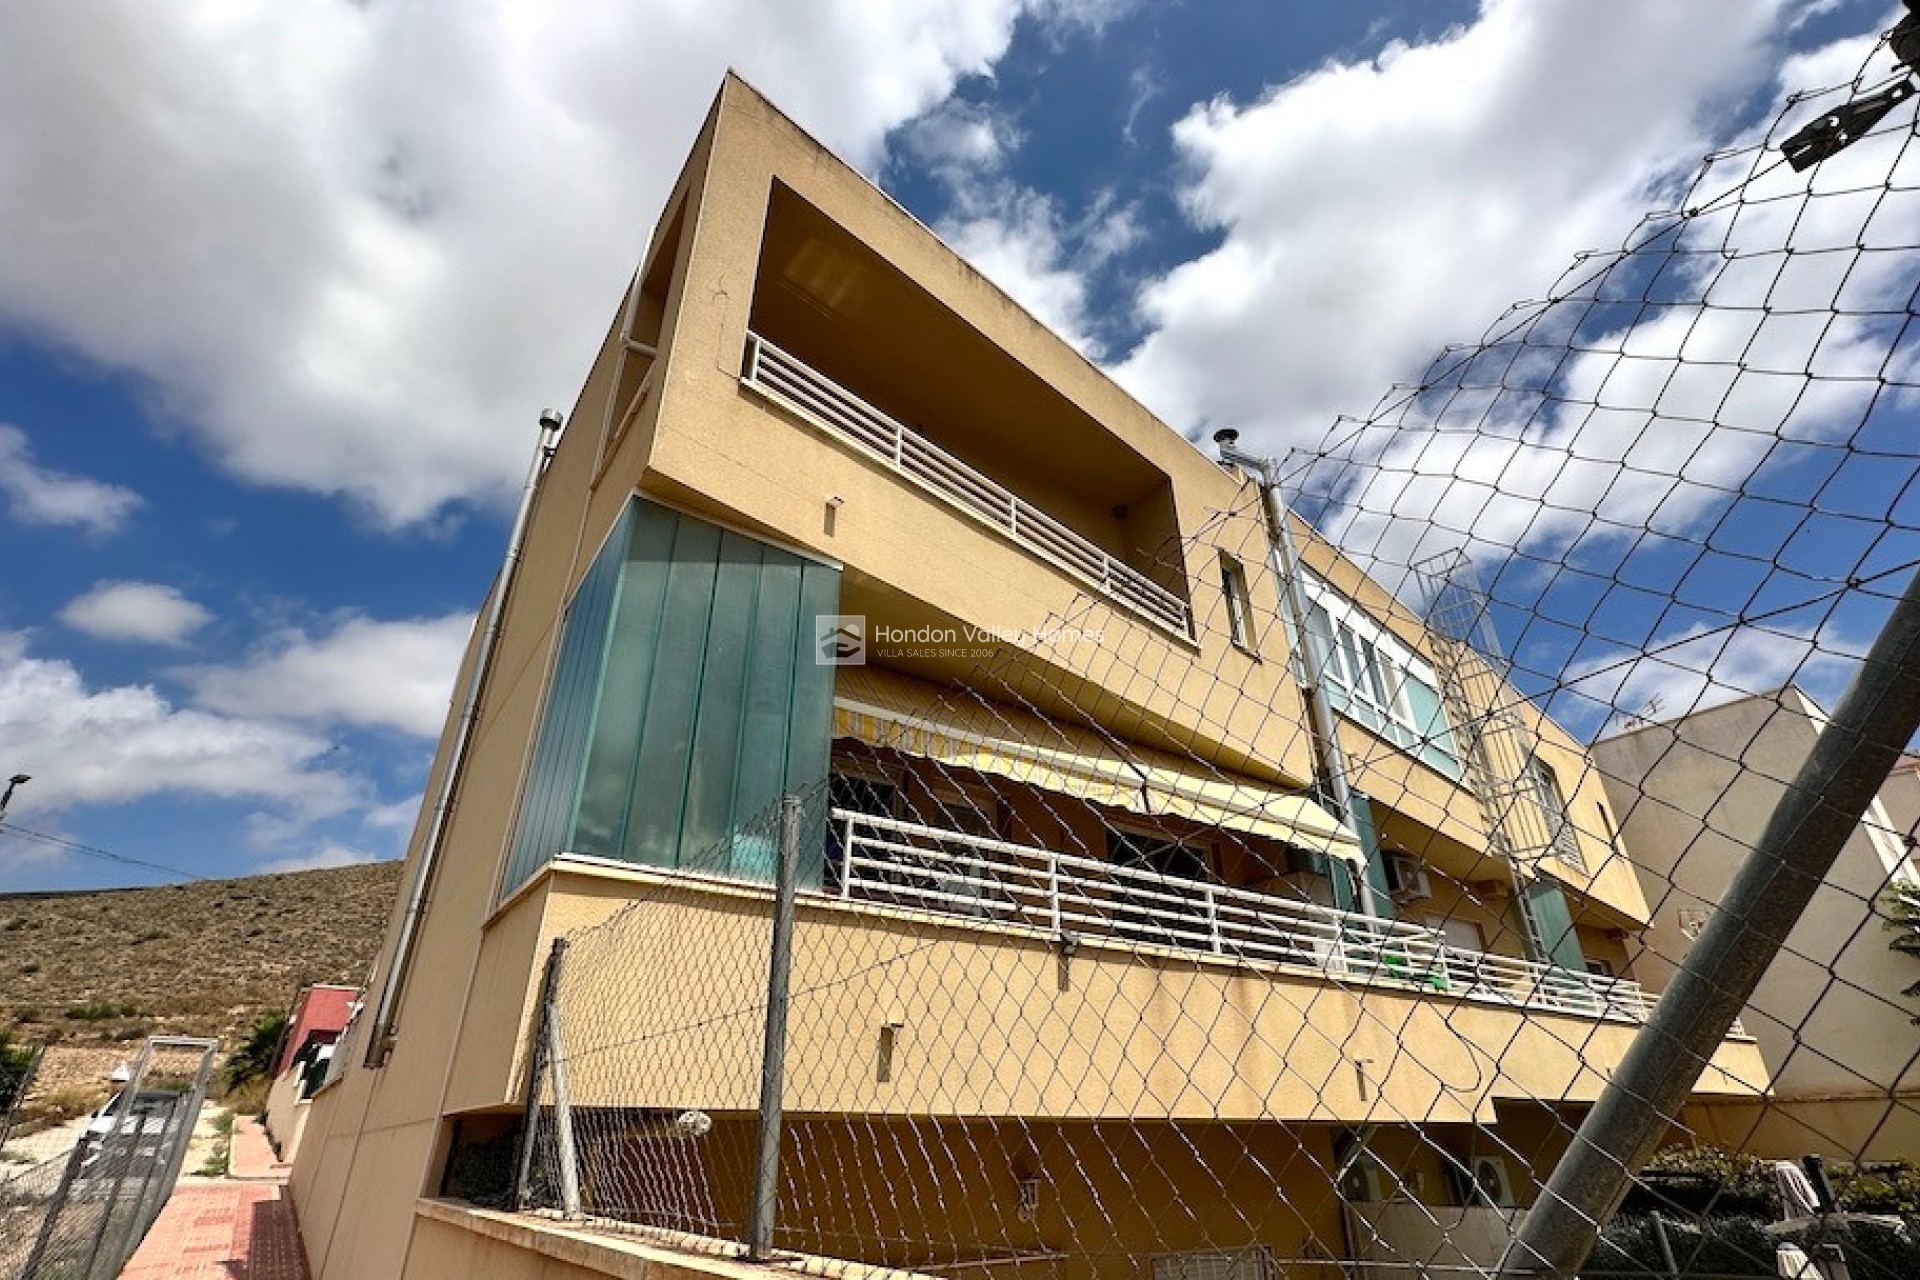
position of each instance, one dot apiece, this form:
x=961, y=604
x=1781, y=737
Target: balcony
x=908, y=865
x=803, y=390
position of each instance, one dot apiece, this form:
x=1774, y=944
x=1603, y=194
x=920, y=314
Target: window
x=850, y=793
x=1233, y=588
x=1146, y=911
x=685, y=701
x=1606, y=826
x=1373, y=679
x=1562, y=838
x=939, y=868
x=1463, y=935
x=949, y=807
x=861, y=795
x=1149, y=851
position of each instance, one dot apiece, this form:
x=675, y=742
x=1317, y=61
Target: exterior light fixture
x=6, y=796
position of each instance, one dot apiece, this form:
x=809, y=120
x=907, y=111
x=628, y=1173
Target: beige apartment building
x=1141, y=971
x=1693, y=795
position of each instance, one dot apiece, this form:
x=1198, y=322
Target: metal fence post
x=773, y=1059
x=55, y=1208
x=1852, y=758
x=536, y=1065
x=168, y=1156
x=567, y=1154
x=128, y=1125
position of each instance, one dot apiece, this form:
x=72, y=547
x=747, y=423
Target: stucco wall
x=1693, y=797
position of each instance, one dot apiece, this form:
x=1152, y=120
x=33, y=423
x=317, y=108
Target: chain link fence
x=81, y=1214
x=1591, y=946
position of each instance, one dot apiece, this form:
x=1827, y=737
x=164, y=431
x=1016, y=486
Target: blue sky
x=285, y=288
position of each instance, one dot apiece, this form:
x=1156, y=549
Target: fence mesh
x=80, y=1214
x=1080, y=989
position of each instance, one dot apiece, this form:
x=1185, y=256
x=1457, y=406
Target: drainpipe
x=1329, y=760
x=380, y=1044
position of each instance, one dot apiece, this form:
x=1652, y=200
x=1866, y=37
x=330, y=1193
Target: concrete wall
x=989, y=1020
x=1692, y=798
x=1107, y=1196
x=286, y=1115
x=1786, y=1128
x=681, y=429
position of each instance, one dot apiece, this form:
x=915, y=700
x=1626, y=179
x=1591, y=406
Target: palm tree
x=1900, y=904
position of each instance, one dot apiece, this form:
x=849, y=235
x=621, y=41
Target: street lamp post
x=6, y=796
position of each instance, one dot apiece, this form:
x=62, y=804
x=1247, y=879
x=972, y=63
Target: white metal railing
x=817, y=398
x=906, y=864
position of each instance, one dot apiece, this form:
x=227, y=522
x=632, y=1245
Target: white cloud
x=1370, y=212
x=1703, y=667
x=38, y=495
x=324, y=858
x=1017, y=237
x=400, y=815
x=1770, y=335
x=1019, y=241
x=123, y=743
x=363, y=671
x=353, y=248
x=21, y=858
x=145, y=611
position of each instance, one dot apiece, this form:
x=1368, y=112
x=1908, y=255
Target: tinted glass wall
x=686, y=700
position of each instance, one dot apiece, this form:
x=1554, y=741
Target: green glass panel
x=810, y=735
x=553, y=781
x=1546, y=906
x=666, y=736
x=1369, y=835
x=1430, y=719
x=687, y=700
x=713, y=758
x=766, y=717
x=606, y=795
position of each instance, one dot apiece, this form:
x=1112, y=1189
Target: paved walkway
x=236, y=1228
x=250, y=1158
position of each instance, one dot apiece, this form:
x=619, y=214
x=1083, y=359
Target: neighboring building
x=740, y=464
x=1693, y=796
x=1900, y=797
x=320, y=1013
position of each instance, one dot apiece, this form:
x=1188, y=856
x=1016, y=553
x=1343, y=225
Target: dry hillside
x=207, y=958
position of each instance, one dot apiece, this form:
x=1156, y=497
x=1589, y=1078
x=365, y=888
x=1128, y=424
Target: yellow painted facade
x=768, y=238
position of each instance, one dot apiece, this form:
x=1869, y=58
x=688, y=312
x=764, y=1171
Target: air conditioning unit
x=1407, y=879
x=1491, y=1180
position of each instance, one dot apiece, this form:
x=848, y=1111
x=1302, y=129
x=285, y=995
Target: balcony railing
x=811, y=394
x=905, y=864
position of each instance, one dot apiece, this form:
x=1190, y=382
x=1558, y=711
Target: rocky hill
x=208, y=958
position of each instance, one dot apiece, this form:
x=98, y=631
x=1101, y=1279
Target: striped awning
x=964, y=730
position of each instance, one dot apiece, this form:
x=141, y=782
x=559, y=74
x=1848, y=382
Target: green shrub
x=102, y=1011
x=1694, y=1181
x=15, y=1061
x=1629, y=1249
x=1891, y=1186
x=250, y=1099
x=254, y=1059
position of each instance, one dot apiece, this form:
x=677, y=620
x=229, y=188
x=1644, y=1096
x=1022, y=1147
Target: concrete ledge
x=628, y=1257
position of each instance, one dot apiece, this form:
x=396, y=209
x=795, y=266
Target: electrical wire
x=94, y=851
